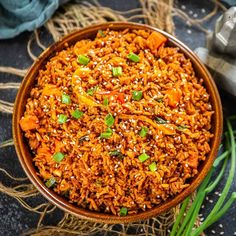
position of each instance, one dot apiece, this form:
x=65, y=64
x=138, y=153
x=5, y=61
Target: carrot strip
x=155, y=40
x=29, y=122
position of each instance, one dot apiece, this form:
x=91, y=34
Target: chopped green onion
x=62, y=119
x=107, y=134
x=143, y=157
x=92, y=91
x=58, y=157
x=83, y=60
x=77, y=114
x=159, y=120
x=117, y=71
x=105, y=101
x=65, y=99
x=159, y=99
x=133, y=57
x=123, y=211
x=101, y=33
x=116, y=153
x=66, y=193
x=50, y=182
x=181, y=127
x=137, y=95
x=143, y=132
x=98, y=183
x=109, y=120
x=153, y=167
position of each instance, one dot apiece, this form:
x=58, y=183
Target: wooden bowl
x=25, y=155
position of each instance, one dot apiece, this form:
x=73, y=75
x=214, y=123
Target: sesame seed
x=213, y=231
x=220, y=225
x=221, y=233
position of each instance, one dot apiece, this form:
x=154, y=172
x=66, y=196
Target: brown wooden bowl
x=25, y=155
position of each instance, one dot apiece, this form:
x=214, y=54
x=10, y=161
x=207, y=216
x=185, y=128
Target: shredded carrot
x=155, y=40
x=193, y=161
x=29, y=122
x=173, y=97
x=82, y=47
x=119, y=96
x=51, y=89
x=84, y=97
x=82, y=72
x=168, y=129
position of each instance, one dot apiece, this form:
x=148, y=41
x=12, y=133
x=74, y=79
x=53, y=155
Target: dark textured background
x=14, y=219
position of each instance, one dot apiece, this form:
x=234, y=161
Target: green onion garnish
x=107, y=134
x=159, y=99
x=117, y=71
x=109, y=120
x=62, y=119
x=133, y=57
x=143, y=132
x=98, y=183
x=143, y=157
x=91, y=91
x=137, y=95
x=116, y=153
x=65, y=99
x=58, y=156
x=50, y=182
x=83, y=60
x=101, y=33
x=182, y=127
x=105, y=101
x=159, y=120
x=123, y=211
x=77, y=114
x=153, y=166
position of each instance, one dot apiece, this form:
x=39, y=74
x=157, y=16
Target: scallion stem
x=194, y=203
x=180, y=215
x=225, y=191
x=225, y=208
x=195, y=213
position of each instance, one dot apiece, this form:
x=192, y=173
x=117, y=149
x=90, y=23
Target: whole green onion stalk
x=184, y=225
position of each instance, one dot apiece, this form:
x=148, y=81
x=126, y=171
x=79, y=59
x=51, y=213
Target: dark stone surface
x=14, y=218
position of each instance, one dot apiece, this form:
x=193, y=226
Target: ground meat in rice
x=118, y=124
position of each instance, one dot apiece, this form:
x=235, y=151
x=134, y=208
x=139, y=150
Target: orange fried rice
x=118, y=124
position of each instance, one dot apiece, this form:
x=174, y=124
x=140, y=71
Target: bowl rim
x=86, y=214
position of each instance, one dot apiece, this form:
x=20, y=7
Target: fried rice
x=119, y=123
